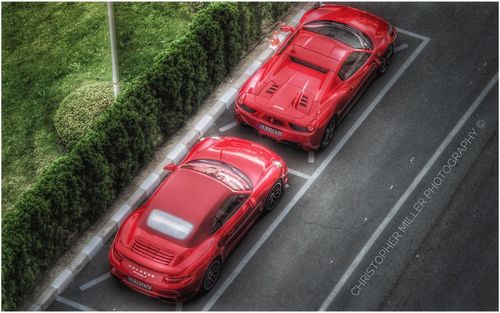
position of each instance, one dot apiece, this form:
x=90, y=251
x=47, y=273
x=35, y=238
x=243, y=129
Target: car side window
x=227, y=210
x=352, y=64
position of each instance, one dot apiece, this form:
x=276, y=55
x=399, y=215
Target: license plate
x=139, y=283
x=271, y=130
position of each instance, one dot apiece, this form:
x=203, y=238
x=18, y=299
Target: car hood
x=372, y=25
x=249, y=158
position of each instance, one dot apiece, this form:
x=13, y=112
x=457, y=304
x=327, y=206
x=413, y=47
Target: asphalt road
x=346, y=235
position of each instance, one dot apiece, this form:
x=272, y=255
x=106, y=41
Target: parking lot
x=321, y=247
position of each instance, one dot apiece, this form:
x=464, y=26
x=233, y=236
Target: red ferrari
x=305, y=89
x=176, y=243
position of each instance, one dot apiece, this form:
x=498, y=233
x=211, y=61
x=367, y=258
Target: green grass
x=51, y=49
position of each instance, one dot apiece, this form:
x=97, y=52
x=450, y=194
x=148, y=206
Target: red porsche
x=305, y=89
x=176, y=243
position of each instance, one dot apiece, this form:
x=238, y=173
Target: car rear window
x=169, y=224
x=340, y=32
x=221, y=171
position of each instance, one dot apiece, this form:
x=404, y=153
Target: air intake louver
x=304, y=100
x=146, y=250
x=272, y=89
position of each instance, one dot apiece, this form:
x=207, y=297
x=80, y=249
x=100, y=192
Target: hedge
x=78, y=111
x=75, y=190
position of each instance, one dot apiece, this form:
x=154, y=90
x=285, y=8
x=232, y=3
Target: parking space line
x=228, y=126
x=335, y=150
x=73, y=304
x=400, y=47
x=357, y=260
x=298, y=173
x=310, y=157
x=409, y=33
x=95, y=281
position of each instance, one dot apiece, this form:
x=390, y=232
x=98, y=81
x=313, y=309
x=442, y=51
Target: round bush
x=79, y=111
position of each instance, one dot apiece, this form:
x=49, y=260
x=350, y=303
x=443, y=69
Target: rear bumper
x=171, y=293
x=304, y=140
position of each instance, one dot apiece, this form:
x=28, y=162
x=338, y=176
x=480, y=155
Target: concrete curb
x=121, y=214
x=204, y=124
x=62, y=281
x=152, y=182
x=93, y=247
x=178, y=153
x=78, y=263
x=49, y=295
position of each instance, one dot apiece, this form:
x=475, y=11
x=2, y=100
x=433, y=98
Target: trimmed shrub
x=79, y=111
x=106, y=153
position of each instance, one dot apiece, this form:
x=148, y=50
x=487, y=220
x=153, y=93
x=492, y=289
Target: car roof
x=191, y=196
x=321, y=50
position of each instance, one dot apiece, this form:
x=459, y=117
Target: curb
x=149, y=185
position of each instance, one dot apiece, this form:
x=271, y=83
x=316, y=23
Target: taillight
x=301, y=128
x=247, y=108
x=174, y=280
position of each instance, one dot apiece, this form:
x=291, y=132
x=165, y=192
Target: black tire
x=328, y=133
x=211, y=275
x=386, y=60
x=274, y=196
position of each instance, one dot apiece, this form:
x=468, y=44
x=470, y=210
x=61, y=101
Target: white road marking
x=409, y=33
x=345, y=277
x=178, y=306
x=228, y=126
x=241, y=265
x=400, y=47
x=298, y=173
x=73, y=304
x=310, y=157
x=95, y=281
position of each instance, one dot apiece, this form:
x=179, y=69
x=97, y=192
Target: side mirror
x=287, y=28
x=170, y=167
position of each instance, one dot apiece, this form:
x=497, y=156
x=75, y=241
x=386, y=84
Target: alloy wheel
x=274, y=196
x=328, y=134
x=212, y=275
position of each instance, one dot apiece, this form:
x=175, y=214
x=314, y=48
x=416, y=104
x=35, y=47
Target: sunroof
x=169, y=224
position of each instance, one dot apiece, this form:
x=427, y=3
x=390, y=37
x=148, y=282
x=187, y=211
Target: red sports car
x=313, y=79
x=176, y=243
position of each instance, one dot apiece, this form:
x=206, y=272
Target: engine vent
x=272, y=89
x=304, y=101
x=147, y=250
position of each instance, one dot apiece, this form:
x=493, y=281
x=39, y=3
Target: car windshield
x=221, y=171
x=340, y=32
x=169, y=224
